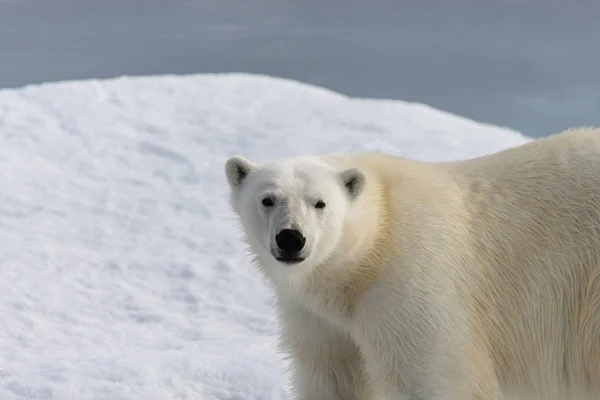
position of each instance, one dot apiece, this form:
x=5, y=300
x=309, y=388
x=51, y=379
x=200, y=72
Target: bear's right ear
x=237, y=169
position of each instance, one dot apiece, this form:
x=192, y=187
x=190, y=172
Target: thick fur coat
x=460, y=280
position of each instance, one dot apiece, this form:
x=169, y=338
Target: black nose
x=290, y=240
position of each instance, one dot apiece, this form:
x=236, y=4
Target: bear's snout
x=290, y=241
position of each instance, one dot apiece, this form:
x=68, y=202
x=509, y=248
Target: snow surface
x=123, y=273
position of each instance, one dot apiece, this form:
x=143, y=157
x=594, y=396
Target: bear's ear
x=237, y=169
x=354, y=181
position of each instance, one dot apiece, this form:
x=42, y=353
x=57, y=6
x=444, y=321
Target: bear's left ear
x=354, y=181
x=237, y=169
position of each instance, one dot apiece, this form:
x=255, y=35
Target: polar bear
x=398, y=279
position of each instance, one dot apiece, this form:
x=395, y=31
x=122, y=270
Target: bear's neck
x=339, y=287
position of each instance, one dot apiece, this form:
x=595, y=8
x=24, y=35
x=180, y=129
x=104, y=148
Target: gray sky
x=530, y=65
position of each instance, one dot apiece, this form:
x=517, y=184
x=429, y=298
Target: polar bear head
x=293, y=211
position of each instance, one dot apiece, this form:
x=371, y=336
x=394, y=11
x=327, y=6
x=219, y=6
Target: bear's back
x=543, y=196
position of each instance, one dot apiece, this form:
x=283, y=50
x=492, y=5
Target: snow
x=123, y=272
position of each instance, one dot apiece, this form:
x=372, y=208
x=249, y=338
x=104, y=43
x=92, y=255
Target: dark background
x=530, y=65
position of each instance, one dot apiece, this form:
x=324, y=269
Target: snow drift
x=123, y=273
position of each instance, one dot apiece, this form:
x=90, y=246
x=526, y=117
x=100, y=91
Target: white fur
x=435, y=280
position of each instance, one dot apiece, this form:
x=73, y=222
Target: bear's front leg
x=326, y=363
x=418, y=359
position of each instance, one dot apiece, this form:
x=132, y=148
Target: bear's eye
x=320, y=204
x=268, y=202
